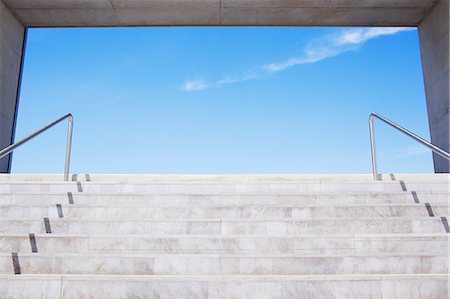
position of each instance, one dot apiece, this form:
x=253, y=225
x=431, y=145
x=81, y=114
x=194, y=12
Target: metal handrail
x=7, y=150
x=415, y=137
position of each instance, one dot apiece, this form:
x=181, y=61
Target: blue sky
x=222, y=100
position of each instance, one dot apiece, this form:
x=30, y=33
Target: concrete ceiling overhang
x=94, y=13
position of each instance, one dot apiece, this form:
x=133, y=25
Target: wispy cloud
x=317, y=50
x=405, y=152
x=200, y=84
x=357, y=36
x=193, y=85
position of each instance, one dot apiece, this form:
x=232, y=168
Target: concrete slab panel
x=174, y=4
x=84, y=13
x=434, y=46
x=383, y=3
x=432, y=28
x=11, y=42
x=165, y=15
x=318, y=17
x=438, y=104
x=438, y=49
x=276, y=3
x=6, y=127
x=66, y=4
x=331, y=4
x=66, y=17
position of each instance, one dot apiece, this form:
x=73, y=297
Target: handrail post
x=68, y=148
x=9, y=149
x=373, y=148
x=437, y=150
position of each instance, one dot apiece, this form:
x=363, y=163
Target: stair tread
x=225, y=255
x=224, y=277
x=381, y=235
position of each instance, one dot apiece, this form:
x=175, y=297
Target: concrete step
x=215, y=264
x=254, y=244
x=223, y=188
x=223, y=178
x=220, y=188
x=377, y=286
x=285, y=227
x=167, y=200
x=224, y=236
x=198, y=212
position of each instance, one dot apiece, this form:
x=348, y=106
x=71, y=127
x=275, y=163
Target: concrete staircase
x=224, y=236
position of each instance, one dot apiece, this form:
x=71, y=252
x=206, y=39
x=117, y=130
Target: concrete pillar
x=12, y=36
x=434, y=48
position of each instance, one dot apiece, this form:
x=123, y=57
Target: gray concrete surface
x=434, y=47
x=11, y=42
x=51, y=13
x=432, y=17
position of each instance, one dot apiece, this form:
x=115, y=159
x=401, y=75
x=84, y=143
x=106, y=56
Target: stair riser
x=214, y=188
x=226, y=227
x=220, y=200
x=432, y=287
x=264, y=245
x=200, y=265
x=199, y=189
x=11, y=212
x=218, y=189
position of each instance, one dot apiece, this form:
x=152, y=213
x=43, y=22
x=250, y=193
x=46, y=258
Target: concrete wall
x=432, y=16
x=434, y=46
x=11, y=43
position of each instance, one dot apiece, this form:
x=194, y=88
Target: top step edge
x=442, y=235
x=221, y=278
x=220, y=177
x=225, y=183
x=224, y=255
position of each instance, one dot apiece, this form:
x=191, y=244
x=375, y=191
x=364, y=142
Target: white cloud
x=278, y=67
x=320, y=49
x=193, y=85
x=358, y=36
x=333, y=45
